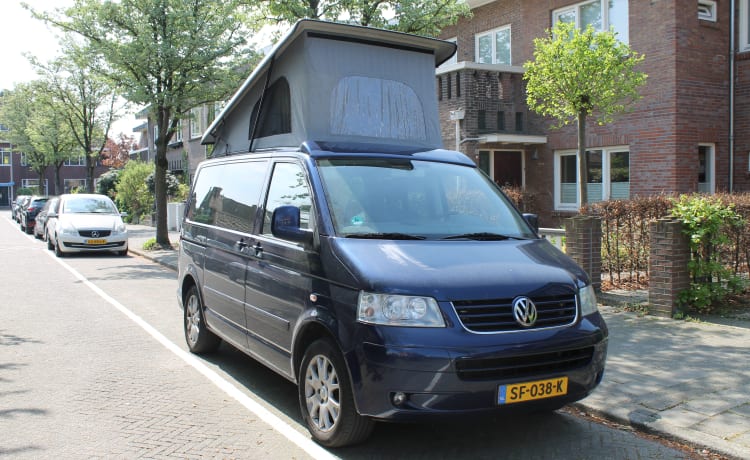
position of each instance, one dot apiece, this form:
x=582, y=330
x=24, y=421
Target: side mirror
x=51, y=214
x=123, y=214
x=285, y=224
x=533, y=220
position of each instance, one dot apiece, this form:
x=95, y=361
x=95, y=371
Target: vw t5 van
x=390, y=279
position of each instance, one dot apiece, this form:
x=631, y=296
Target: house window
x=601, y=14
x=608, y=176
x=744, y=25
x=453, y=59
x=482, y=120
x=449, y=81
x=458, y=85
x=707, y=10
x=5, y=157
x=493, y=47
x=501, y=120
x=196, y=122
x=178, y=132
x=24, y=160
x=34, y=184
x=519, y=122
x=706, y=169
x=440, y=88
x=3, y=127
x=72, y=185
x=80, y=160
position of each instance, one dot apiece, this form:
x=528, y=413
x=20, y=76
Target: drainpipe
x=457, y=116
x=731, y=94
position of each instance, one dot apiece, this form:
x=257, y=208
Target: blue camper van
x=333, y=239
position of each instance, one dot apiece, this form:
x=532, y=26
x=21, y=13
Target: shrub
x=25, y=191
x=708, y=221
x=133, y=195
x=107, y=183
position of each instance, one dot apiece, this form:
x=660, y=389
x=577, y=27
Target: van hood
x=460, y=270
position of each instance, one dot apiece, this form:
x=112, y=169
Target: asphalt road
x=93, y=365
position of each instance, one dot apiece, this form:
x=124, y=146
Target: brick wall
x=668, y=266
x=685, y=101
x=583, y=243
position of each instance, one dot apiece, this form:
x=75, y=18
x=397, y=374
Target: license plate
x=96, y=241
x=529, y=391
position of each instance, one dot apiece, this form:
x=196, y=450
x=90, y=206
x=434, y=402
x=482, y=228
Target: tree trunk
x=583, y=163
x=160, y=186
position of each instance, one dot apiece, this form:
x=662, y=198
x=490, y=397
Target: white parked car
x=84, y=223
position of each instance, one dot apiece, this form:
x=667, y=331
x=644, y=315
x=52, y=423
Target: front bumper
x=74, y=243
x=465, y=381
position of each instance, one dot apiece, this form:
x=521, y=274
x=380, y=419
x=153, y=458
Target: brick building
x=690, y=131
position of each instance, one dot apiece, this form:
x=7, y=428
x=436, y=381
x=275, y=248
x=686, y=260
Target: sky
x=25, y=34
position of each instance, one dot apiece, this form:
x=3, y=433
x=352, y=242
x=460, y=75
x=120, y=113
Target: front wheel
x=198, y=338
x=326, y=399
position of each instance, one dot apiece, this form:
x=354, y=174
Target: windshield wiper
x=385, y=236
x=483, y=236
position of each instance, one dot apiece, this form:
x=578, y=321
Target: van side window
x=276, y=117
x=227, y=195
x=288, y=187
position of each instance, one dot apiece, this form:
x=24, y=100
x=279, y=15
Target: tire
x=122, y=253
x=58, y=252
x=50, y=246
x=326, y=399
x=198, y=338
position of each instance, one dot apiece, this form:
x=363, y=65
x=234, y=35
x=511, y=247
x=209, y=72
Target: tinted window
x=288, y=187
x=276, y=117
x=227, y=195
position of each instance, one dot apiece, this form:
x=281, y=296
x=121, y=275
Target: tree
x=576, y=74
x=86, y=100
x=168, y=55
x=422, y=17
x=38, y=128
x=117, y=152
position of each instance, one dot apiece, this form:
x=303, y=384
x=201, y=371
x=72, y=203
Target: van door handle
x=258, y=250
x=242, y=245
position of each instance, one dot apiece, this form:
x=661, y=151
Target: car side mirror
x=285, y=224
x=533, y=221
x=51, y=214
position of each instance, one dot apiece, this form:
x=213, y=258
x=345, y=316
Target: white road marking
x=308, y=445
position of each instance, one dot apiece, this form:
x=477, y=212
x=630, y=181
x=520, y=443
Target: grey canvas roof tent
x=336, y=85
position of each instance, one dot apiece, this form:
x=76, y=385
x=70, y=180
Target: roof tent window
x=374, y=107
x=277, y=113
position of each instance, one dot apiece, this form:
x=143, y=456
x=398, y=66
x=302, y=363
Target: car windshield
x=89, y=205
x=415, y=199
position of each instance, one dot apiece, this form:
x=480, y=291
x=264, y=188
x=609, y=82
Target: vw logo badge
x=524, y=311
x=95, y=234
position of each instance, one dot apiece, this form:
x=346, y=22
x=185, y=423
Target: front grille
x=497, y=315
x=523, y=366
x=100, y=233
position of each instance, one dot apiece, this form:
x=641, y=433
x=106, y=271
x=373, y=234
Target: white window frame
x=24, y=162
x=79, y=182
x=196, y=122
x=6, y=153
x=744, y=25
x=576, y=9
x=34, y=183
x=707, y=10
x=607, y=152
x=710, y=183
x=79, y=161
x=178, y=133
x=492, y=34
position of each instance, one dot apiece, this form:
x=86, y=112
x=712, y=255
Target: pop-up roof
x=334, y=84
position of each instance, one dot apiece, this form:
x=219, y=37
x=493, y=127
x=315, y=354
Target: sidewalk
x=688, y=381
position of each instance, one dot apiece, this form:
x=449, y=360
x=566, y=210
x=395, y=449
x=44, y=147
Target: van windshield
x=415, y=199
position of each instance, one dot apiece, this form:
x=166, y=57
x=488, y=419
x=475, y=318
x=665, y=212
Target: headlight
x=587, y=299
x=399, y=310
x=120, y=227
x=68, y=229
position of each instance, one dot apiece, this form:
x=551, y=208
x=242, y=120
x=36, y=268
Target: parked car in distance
x=40, y=226
x=86, y=223
x=18, y=204
x=30, y=211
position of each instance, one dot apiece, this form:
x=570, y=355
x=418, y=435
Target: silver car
x=85, y=223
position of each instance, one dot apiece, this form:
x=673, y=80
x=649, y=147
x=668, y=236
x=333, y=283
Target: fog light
x=399, y=399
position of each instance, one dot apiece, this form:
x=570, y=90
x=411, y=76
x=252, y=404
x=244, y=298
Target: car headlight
x=68, y=229
x=398, y=310
x=120, y=227
x=587, y=299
